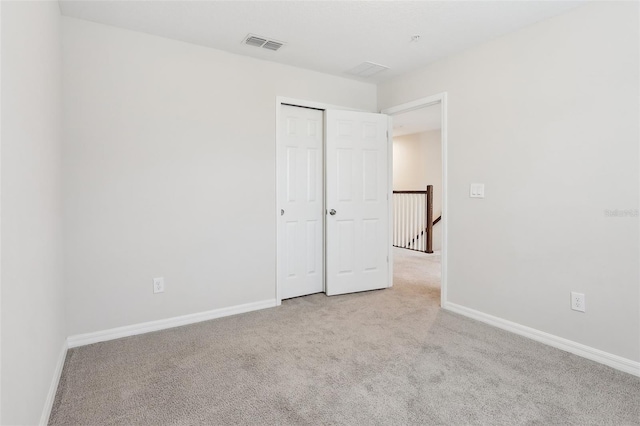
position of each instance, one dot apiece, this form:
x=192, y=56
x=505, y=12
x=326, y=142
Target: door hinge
x=387, y=134
x=387, y=259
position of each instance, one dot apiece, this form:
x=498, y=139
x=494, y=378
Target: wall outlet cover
x=578, y=302
x=158, y=285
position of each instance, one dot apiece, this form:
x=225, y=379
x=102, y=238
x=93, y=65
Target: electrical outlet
x=158, y=285
x=578, y=302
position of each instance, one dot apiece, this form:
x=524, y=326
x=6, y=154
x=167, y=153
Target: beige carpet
x=388, y=357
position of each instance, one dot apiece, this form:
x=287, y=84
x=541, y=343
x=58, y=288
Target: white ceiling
x=417, y=121
x=327, y=36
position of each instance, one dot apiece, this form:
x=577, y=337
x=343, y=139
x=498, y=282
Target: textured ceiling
x=327, y=36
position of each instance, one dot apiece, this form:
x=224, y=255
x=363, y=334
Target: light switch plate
x=476, y=190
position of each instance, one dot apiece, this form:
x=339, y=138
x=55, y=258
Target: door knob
x=281, y=212
x=332, y=212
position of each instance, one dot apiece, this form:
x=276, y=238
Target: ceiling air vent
x=264, y=42
x=272, y=45
x=255, y=41
x=367, y=69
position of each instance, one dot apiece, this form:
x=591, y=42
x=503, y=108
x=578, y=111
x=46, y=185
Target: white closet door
x=357, y=221
x=300, y=192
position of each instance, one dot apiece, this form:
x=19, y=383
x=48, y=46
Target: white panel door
x=300, y=202
x=357, y=221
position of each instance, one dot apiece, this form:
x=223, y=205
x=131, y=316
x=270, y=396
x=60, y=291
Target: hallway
x=414, y=268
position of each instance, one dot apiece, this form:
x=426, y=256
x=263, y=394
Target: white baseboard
x=614, y=361
x=146, y=327
x=51, y=395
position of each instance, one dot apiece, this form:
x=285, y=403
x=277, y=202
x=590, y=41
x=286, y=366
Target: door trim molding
x=390, y=198
x=440, y=98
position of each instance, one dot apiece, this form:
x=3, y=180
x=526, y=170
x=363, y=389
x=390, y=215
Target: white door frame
x=321, y=106
x=440, y=98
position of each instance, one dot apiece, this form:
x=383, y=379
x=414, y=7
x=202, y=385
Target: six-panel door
x=300, y=200
x=357, y=188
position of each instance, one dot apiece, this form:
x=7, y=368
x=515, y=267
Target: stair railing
x=413, y=219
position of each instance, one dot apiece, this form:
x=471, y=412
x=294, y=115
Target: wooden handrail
x=409, y=192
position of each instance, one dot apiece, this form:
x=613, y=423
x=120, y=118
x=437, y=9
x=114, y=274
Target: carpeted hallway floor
x=388, y=357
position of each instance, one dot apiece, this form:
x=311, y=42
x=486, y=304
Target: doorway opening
x=419, y=194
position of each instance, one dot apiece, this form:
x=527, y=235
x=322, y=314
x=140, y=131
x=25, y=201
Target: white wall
x=33, y=331
x=547, y=118
x=417, y=162
x=169, y=170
